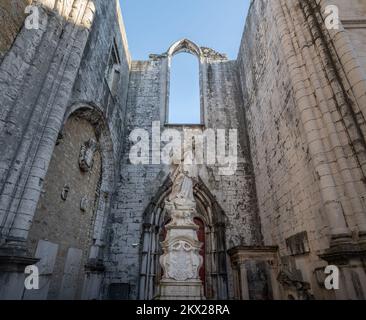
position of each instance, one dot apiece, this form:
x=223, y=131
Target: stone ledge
x=342, y=253
x=16, y=263
x=180, y=290
x=272, y=249
x=244, y=253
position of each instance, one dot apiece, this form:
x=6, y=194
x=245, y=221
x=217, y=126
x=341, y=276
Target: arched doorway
x=211, y=221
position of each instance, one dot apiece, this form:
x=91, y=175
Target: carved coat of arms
x=182, y=262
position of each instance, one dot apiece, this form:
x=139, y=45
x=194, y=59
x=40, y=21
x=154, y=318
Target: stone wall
x=66, y=220
x=235, y=193
x=91, y=86
x=47, y=75
x=222, y=102
x=296, y=95
x=352, y=14
x=293, y=126
x=288, y=193
x=11, y=20
x=136, y=184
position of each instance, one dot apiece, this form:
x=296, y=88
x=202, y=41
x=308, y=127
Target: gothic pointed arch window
x=184, y=102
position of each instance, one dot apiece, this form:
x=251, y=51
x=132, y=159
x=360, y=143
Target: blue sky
x=153, y=25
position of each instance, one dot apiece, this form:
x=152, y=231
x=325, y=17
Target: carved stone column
x=181, y=260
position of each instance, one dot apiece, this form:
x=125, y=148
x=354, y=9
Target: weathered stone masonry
x=43, y=81
x=73, y=204
x=139, y=184
x=304, y=108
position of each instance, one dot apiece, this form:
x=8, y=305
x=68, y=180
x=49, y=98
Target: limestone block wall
x=303, y=113
x=46, y=76
x=33, y=78
x=136, y=184
x=353, y=18
x=236, y=193
x=61, y=220
x=35, y=87
x=222, y=103
x=11, y=20
x=287, y=188
x=91, y=85
x=296, y=94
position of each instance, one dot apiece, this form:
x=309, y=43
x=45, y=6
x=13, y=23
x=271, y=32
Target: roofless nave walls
x=73, y=204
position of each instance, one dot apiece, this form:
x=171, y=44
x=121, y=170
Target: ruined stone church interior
x=94, y=223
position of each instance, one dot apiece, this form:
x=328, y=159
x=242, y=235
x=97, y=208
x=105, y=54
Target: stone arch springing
x=155, y=218
x=187, y=46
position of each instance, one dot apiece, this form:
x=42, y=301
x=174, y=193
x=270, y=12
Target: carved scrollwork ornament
x=182, y=261
x=86, y=157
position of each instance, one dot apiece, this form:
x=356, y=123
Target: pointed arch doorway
x=211, y=221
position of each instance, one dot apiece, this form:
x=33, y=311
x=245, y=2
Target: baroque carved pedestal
x=181, y=263
x=181, y=260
